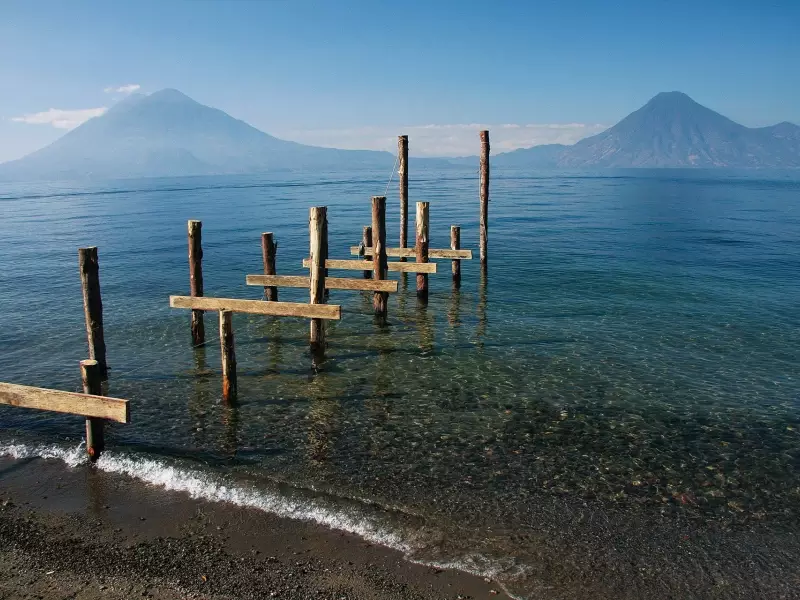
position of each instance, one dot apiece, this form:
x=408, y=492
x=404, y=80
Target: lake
x=616, y=404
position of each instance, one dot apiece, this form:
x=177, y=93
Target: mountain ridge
x=168, y=133
x=671, y=130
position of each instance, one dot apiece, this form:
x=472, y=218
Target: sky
x=355, y=74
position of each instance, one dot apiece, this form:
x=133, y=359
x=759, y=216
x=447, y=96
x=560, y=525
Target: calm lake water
x=615, y=409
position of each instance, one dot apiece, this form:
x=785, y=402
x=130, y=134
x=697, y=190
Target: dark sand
x=83, y=534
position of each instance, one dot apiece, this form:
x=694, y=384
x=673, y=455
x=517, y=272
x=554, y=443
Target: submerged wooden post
x=92, y=378
x=317, y=231
x=93, y=307
x=484, y=191
x=230, y=386
x=196, y=279
x=422, y=248
x=380, y=265
x=455, y=244
x=402, y=152
x=366, y=241
x=268, y=250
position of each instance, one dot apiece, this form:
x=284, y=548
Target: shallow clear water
x=632, y=354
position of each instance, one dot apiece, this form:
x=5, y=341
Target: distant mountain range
x=671, y=130
x=169, y=134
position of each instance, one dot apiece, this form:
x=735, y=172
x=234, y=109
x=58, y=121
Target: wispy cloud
x=123, y=89
x=446, y=140
x=61, y=119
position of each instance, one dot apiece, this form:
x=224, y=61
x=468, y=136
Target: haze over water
x=620, y=396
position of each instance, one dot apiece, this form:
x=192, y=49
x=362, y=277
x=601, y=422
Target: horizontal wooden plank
x=295, y=281
x=366, y=265
x=412, y=267
x=84, y=405
x=332, y=283
x=259, y=307
x=411, y=253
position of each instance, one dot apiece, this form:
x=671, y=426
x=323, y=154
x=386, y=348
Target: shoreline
x=77, y=531
x=97, y=527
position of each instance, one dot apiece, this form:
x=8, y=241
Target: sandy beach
x=80, y=533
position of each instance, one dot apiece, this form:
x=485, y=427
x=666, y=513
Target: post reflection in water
x=200, y=399
x=323, y=418
x=426, y=329
x=379, y=404
x=274, y=345
x=402, y=303
x=383, y=377
x=483, y=299
x=454, y=310
x=229, y=444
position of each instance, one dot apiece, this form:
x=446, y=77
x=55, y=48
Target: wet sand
x=84, y=534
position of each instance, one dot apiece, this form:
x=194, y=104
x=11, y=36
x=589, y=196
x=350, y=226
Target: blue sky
x=356, y=74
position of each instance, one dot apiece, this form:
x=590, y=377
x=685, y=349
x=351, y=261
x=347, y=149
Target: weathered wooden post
x=402, y=152
x=317, y=230
x=196, y=279
x=230, y=386
x=92, y=378
x=366, y=242
x=380, y=266
x=325, y=250
x=422, y=248
x=269, y=249
x=93, y=307
x=484, y=191
x=455, y=244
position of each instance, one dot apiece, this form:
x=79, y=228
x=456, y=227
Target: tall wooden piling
x=366, y=242
x=230, y=385
x=422, y=248
x=325, y=254
x=196, y=279
x=317, y=231
x=455, y=244
x=269, y=249
x=92, y=378
x=93, y=307
x=380, y=266
x=402, y=153
x=484, y=193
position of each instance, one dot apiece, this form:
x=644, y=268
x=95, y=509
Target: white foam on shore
x=72, y=456
x=213, y=488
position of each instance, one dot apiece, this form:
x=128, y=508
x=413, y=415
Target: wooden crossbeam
x=332, y=283
x=258, y=307
x=85, y=405
x=411, y=253
x=360, y=265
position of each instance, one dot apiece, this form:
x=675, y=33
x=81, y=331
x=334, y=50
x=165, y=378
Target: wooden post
x=484, y=190
x=325, y=249
x=366, y=241
x=317, y=231
x=196, y=279
x=402, y=152
x=268, y=250
x=92, y=377
x=422, y=248
x=380, y=265
x=455, y=244
x=93, y=306
x=230, y=386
